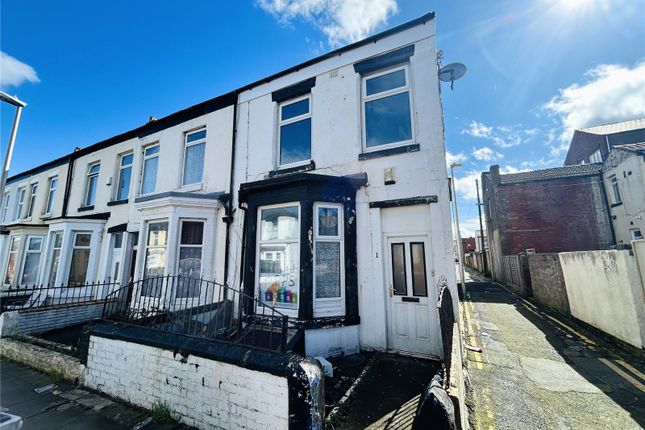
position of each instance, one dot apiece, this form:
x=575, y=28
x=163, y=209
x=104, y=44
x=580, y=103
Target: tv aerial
x=451, y=72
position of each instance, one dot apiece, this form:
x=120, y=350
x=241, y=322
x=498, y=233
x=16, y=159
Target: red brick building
x=551, y=210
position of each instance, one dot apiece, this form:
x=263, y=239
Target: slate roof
x=619, y=127
x=554, y=173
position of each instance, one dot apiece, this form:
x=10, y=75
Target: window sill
x=328, y=322
x=296, y=169
x=389, y=152
x=190, y=188
x=117, y=202
x=614, y=205
x=86, y=208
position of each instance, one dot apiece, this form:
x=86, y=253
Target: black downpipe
x=228, y=218
x=608, y=207
x=68, y=184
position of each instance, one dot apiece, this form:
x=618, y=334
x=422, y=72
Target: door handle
x=391, y=290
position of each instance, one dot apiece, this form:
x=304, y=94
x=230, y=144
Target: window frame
x=281, y=123
x=595, y=157
x=146, y=237
x=20, y=203
x=331, y=306
x=51, y=194
x=8, y=259
x=50, y=256
x=33, y=193
x=88, y=177
x=178, y=254
x=260, y=307
x=74, y=247
x=120, y=167
x=143, y=166
x=365, y=99
x=26, y=251
x=5, y=206
x=615, y=190
x=188, y=145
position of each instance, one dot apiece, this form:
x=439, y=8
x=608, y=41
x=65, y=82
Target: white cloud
x=341, y=21
x=502, y=136
x=14, y=72
x=455, y=158
x=468, y=226
x=609, y=93
x=465, y=185
x=486, y=154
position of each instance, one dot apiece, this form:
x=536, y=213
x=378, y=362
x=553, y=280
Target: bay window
x=33, y=191
x=387, y=109
x=125, y=173
x=51, y=195
x=31, y=260
x=92, y=183
x=295, y=131
x=155, y=258
x=190, y=258
x=279, y=239
x=149, y=169
x=57, y=244
x=328, y=259
x=80, y=259
x=10, y=270
x=195, y=145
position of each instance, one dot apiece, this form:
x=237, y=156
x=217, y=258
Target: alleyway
x=538, y=372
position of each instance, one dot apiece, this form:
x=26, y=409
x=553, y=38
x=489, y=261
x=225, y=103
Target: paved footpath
x=536, y=371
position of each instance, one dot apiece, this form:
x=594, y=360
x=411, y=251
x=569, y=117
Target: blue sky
x=537, y=68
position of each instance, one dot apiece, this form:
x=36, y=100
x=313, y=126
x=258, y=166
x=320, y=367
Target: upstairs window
x=33, y=190
x=5, y=207
x=92, y=183
x=149, y=173
x=20, y=204
x=10, y=271
x=31, y=261
x=125, y=172
x=195, y=145
x=51, y=195
x=387, y=110
x=615, y=189
x=295, y=131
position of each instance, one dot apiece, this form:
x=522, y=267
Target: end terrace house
x=320, y=191
x=342, y=216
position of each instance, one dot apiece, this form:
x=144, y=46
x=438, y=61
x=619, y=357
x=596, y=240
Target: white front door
x=407, y=292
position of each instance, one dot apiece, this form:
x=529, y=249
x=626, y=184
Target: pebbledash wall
x=205, y=384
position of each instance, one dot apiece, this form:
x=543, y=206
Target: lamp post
x=460, y=255
x=14, y=130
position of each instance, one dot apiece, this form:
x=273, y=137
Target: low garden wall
x=38, y=320
x=547, y=282
x=204, y=383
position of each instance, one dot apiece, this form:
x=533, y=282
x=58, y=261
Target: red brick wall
x=550, y=216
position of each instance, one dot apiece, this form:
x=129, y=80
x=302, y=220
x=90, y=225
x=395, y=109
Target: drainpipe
x=68, y=184
x=228, y=218
x=607, y=206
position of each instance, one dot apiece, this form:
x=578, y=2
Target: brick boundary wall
x=38, y=320
x=204, y=383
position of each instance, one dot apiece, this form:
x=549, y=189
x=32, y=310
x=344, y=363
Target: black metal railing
x=45, y=296
x=198, y=308
x=446, y=321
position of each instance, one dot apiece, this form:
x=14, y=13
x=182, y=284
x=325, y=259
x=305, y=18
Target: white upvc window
x=387, y=109
x=56, y=247
x=155, y=257
x=596, y=157
x=615, y=189
x=80, y=258
x=5, y=207
x=195, y=146
x=92, y=183
x=20, y=203
x=149, y=169
x=31, y=261
x=329, y=270
x=51, y=195
x=10, y=268
x=278, y=277
x=125, y=174
x=189, y=264
x=33, y=192
x=294, y=131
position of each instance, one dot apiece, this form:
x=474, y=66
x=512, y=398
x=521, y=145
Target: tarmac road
x=540, y=371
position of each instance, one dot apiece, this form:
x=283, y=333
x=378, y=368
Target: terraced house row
x=320, y=191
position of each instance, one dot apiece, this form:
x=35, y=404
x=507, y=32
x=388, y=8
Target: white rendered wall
x=199, y=392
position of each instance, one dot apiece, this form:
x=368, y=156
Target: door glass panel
x=419, y=279
x=398, y=269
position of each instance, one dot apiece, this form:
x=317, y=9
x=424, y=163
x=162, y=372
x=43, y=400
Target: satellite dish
x=451, y=72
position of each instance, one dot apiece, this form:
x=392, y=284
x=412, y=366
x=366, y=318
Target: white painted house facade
x=320, y=191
